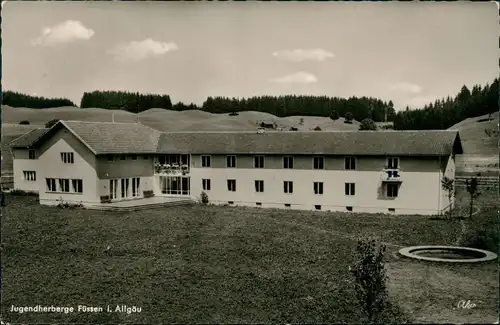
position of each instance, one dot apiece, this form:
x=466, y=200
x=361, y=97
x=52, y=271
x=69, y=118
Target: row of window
x=350, y=188
x=317, y=207
x=64, y=185
x=318, y=162
x=124, y=157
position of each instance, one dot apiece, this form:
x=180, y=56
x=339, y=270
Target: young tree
x=349, y=117
x=370, y=279
x=301, y=121
x=334, y=115
x=367, y=124
x=472, y=189
x=448, y=185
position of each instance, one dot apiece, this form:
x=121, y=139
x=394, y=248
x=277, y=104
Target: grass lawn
x=207, y=264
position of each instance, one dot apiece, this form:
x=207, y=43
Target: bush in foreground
x=24, y=122
x=370, y=284
x=483, y=239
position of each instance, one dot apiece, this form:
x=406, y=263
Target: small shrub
x=51, y=123
x=317, y=128
x=233, y=114
x=349, y=117
x=204, y=198
x=105, y=199
x=347, y=122
x=18, y=192
x=24, y=122
x=148, y=193
x=367, y=124
x=334, y=115
x=66, y=205
x=293, y=129
x=483, y=239
x=370, y=280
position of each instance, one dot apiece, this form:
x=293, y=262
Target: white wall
x=21, y=165
x=51, y=166
x=418, y=194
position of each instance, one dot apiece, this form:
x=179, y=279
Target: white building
x=376, y=172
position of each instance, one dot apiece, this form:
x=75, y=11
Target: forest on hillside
x=17, y=99
x=440, y=114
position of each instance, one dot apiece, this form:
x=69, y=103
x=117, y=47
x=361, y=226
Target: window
x=288, y=162
x=317, y=207
x=259, y=162
x=350, y=189
x=348, y=208
x=318, y=187
x=259, y=186
x=231, y=161
x=350, y=163
x=205, y=161
x=51, y=185
x=123, y=157
x=287, y=205
x=77, y=185
x=67, y=157
x=135, y=186
x=111, y=158
x=392, y=210
x=258, y=204
x=288, y=187
x=392, y=162
x=145, y=157
x=319, y=162
x=392, y=190
x=133, y=157
x=31, y=154
x=230, y=202
x=231, y=185
x=64, y=185
x=206, y=184
x=29, y=176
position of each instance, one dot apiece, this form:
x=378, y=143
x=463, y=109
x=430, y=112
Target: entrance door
x=124, y=188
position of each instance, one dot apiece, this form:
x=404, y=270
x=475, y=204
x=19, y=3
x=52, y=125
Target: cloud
x=67, y=31
x=296, y=78
x=299, y=55
x=406, y=87
x=140, y=50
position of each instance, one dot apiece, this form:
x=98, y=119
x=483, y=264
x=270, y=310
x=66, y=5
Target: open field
x=208, y=264
x=480, y=150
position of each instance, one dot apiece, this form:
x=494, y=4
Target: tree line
x=440, y=114
x=444, y=113
x=17, y=99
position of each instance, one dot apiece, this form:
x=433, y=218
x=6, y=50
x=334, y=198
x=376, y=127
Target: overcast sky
x=411, y=53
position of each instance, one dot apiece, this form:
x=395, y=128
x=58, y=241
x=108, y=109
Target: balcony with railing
x=391, y=175
x=171, y=165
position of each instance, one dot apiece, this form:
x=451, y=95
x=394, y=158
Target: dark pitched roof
x=331, y=143
x=111, y=138
x=27, y=139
